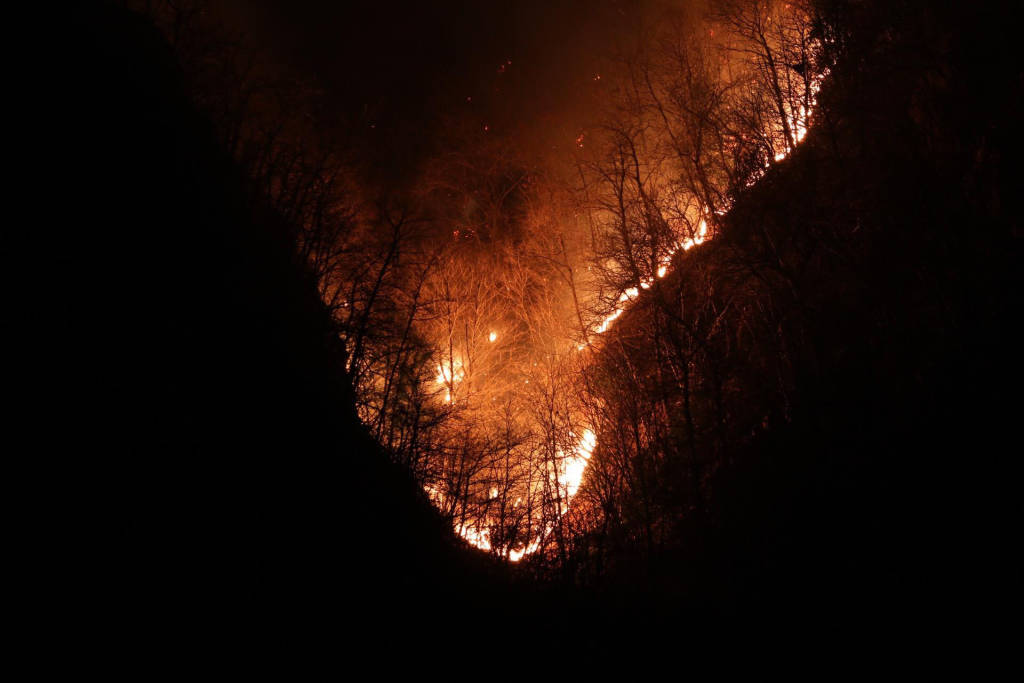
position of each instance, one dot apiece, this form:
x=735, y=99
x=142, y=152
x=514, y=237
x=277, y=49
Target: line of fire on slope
x=567, y=474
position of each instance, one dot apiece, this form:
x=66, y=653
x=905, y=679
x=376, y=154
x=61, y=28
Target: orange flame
x=569, y=470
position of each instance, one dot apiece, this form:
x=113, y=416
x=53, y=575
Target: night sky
x=528, y=71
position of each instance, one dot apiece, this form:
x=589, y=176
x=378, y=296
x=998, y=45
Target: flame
x=631, y=293
x=571, y=476
x=448, y=375
x=516, y=555
x=567, y=471
x=799, y=122
x=567, y=475
x=573, y=466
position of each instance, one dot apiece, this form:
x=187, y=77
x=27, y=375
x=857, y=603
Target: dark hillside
x=237, y=486
x=866, y=361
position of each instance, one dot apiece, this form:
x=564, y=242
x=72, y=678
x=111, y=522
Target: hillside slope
x=204, y=388
x=853, y=333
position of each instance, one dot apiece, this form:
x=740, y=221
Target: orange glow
x=448, y=375
x=566, y=474
x=566, y=471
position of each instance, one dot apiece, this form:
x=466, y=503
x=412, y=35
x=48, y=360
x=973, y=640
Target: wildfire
x=448, y=375
x=566, y=474
x=568, y=470
x=632, y=292
x=799, y=122
x=573, y=466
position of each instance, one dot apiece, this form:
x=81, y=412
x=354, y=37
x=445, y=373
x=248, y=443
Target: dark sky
x=407, y=68
x=406, y=50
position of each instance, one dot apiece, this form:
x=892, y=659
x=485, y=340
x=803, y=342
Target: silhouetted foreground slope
x=867, y=470
x=237, y=484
